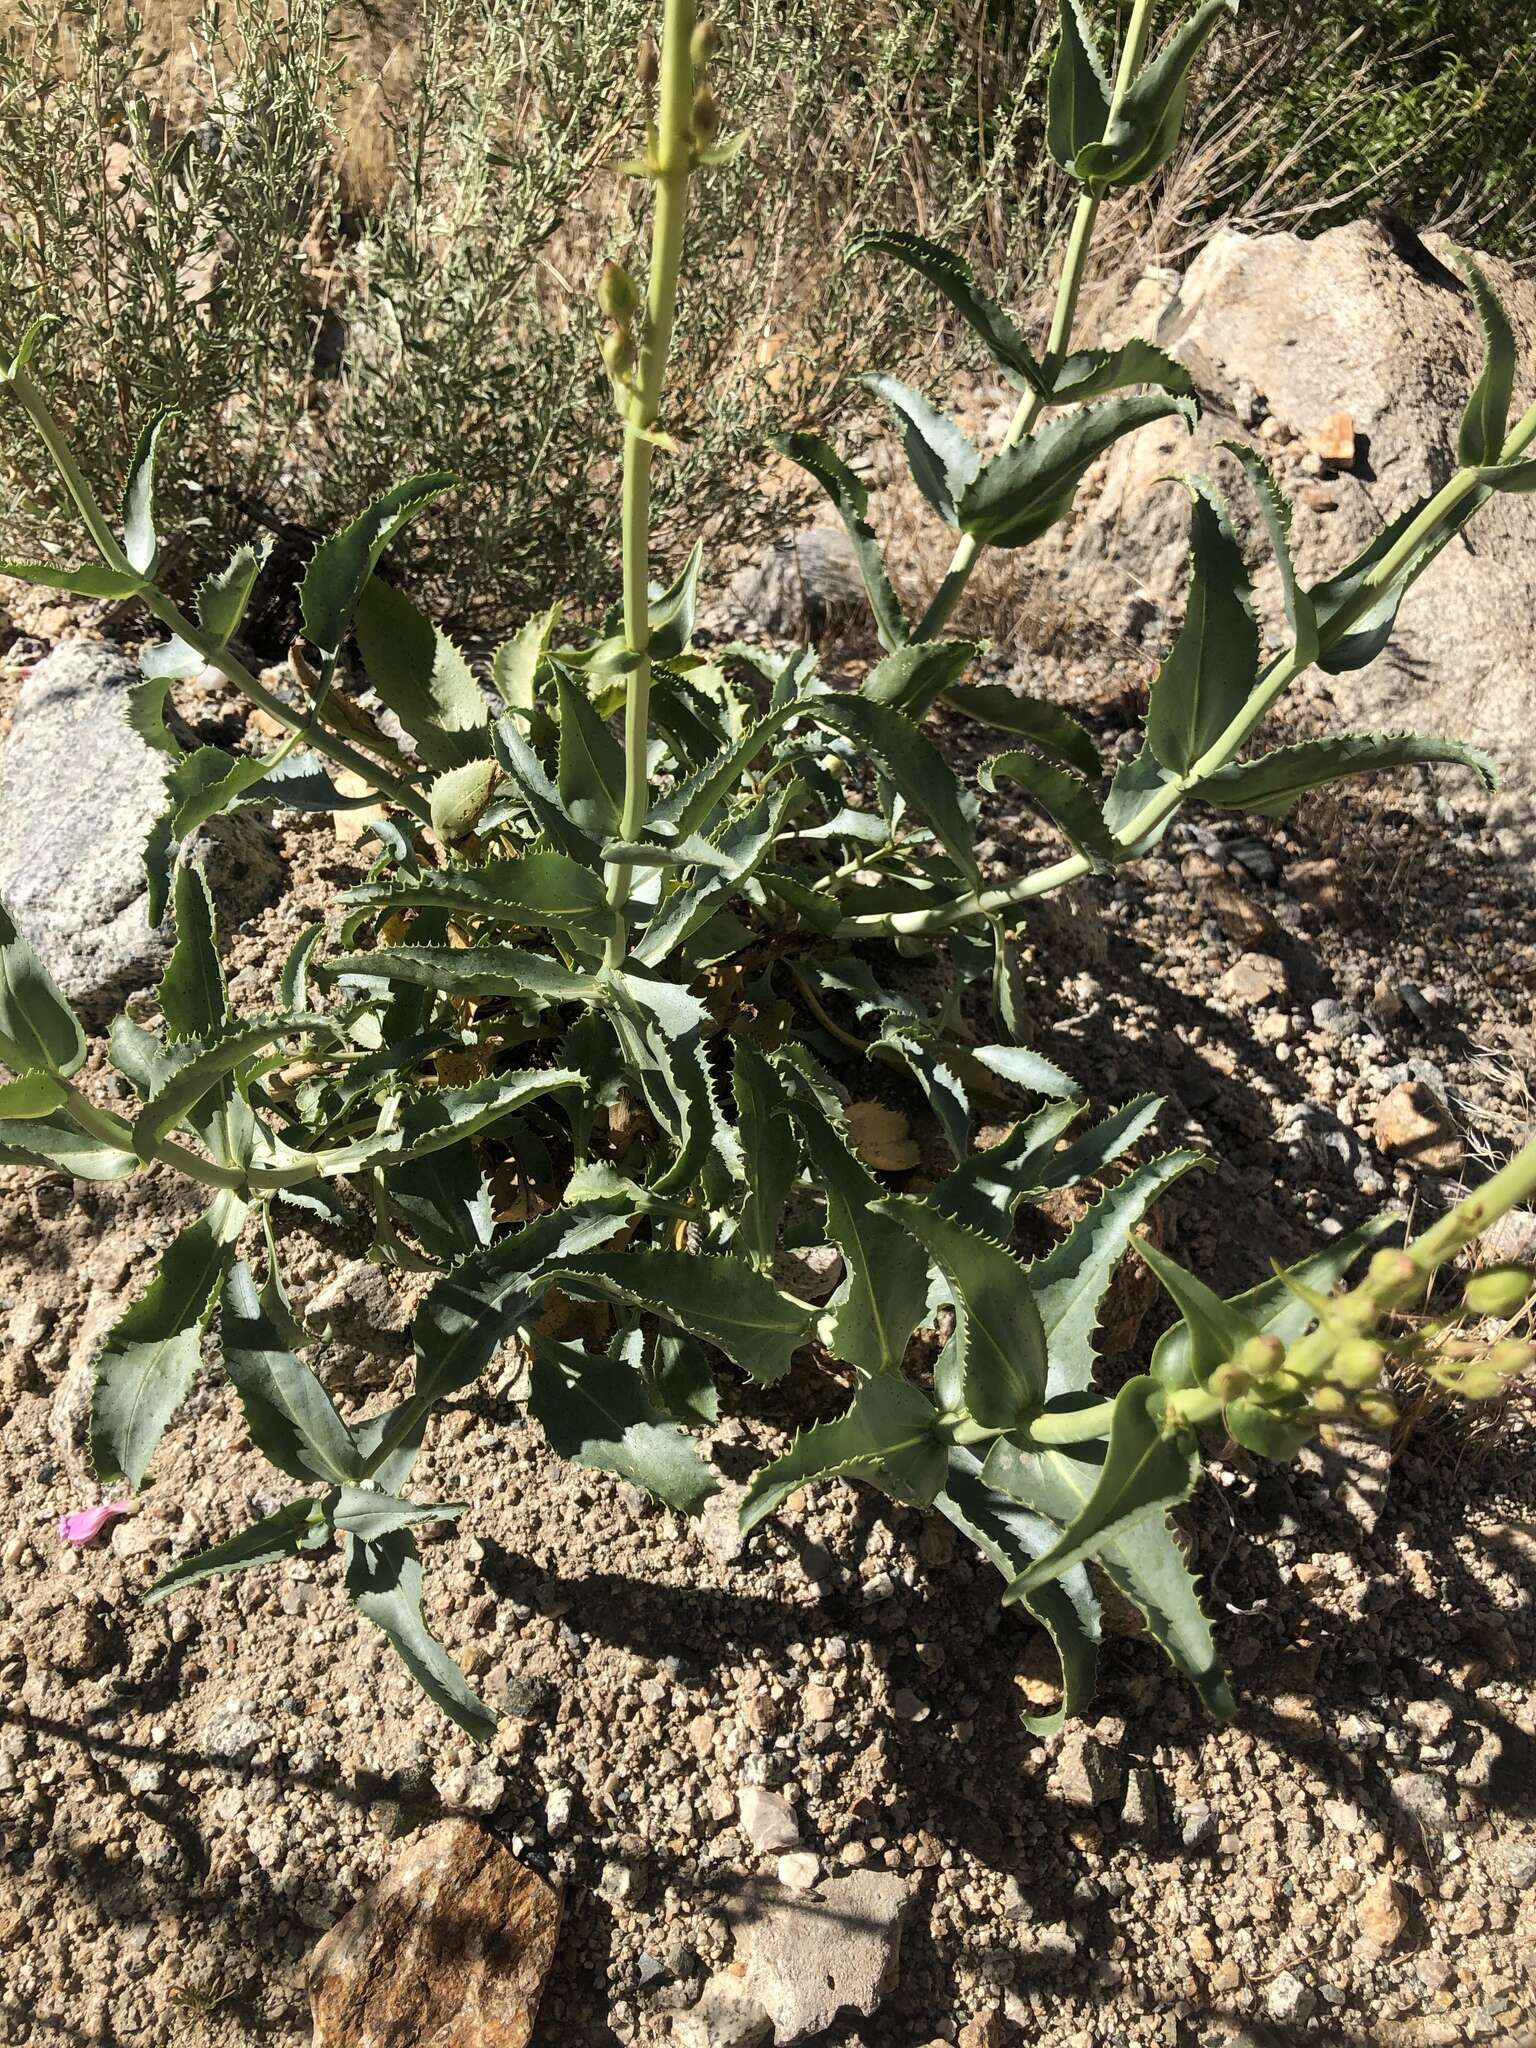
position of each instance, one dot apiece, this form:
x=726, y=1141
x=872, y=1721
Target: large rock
x=1303, y=332
x=450, y=1950
x=79, y=791
x=805, y=1957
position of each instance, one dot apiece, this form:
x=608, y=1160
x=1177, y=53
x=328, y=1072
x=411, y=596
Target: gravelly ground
x=188, y=1796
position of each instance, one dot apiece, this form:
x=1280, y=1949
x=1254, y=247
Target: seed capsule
x=1480, y=1383
x=618, y=353
x=1376, y=1411
x=647, y=64
x=617, y=293
x=706, y=115
x=1359, y=1363
x=1262, y=1354
x=1392, y=1269
x=706, y=41
x=1500, y=1291
x=1330, y=1401
x=1230, y=1382
x=1513, y=1356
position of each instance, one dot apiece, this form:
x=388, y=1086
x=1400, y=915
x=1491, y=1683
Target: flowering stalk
x=639, y=373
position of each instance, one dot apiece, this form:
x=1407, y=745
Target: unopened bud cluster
x=618, y=297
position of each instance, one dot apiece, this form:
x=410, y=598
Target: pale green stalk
x=1275, y=680
x=672, y=167
x=1074, y=268
x=169, y=614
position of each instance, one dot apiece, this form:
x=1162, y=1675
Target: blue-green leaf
x=1483, y=424
x=39, y=1032
x=384, y=1583
x=880, y=1301
x=952, y=275
x=821, y=461
x=291, y=1532
x=139, y=542
x=1211, y=669
x=1273, y=782
x=594, y=1408
x=1068, y=804
x=1026, y=489
x=341, y=566
x=292, y=1420
x=890, y=1437
x=1077, y=104
x=1046, y=726
x=942, y=460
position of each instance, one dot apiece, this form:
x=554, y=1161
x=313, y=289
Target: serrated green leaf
x=1346, y=649
x=434, y=1121
x=39, y=1032
x=1145, y=130
x=1273, y=782
x=515, y=664
x=595, y=1410
x=55, y=1141
x=341, y=566
x=910, y=679
x=293, y=1530
x=1070, y=1280
x=421, y=676
x=193, y=999
x=880, y=1300
x=721, y=1299
x=1078, y=93
x=539, y=794
x=1068, y=804
x=1486, y=419
x=932, y=1066
x=682, y=1381
x=999, y=1341
x=182, y=1089
x=660, y=1027
x=913, y=764
x=1276, y=510
x=477, y=971
x=1046, y=726
x=1024, y=1068
x=151, y=1352
x=1210, y=671
x=292, y=1419
x=1144, y=1473
x=889, y=1436
x=1136, y=781
x=670, y=615
x=821, y=461
x=942, y=460
x=984, y=1190
x=1008, y=1534
x=1218, y=1330
x=384, y=1584
x=360, y=1511
x=1092, y=372
x=139, y=542
x=223, y=596
x=458, y=797
x=770, y=1150
x=1026, y=489
x=952, y=275
x=590, y=774
x=91, y=579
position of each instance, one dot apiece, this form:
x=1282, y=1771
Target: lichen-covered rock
x=450, y=1950
x=79, y=791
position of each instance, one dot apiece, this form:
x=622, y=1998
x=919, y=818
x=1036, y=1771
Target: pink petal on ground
x=86, y=1524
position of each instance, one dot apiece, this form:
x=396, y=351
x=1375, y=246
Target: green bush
x=609, y=1015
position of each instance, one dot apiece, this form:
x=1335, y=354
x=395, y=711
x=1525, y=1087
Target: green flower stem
x=672, y=166
x=168, y=613
x=1275, y=680
x=1071, y=1425
x=114, y=1131
x=1073, y=270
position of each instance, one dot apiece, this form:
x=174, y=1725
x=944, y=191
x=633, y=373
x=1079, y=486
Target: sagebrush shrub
x=606, y=1013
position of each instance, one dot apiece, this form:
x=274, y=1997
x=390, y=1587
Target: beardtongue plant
x=602, y=1021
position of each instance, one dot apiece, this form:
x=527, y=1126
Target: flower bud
x=618, y=353
x=1512, y=1356
x=1392, y=1269
x=706, y=115
x=1358, y=1363
x=1262, y=1354
x=706, y=41
x=647, y=64
x=1500, y=1291
x=1230, y=1382
x=1329, y=1401
x=617, y=293
x=1480, y=1383
x=1376, y=1411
